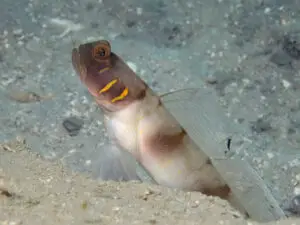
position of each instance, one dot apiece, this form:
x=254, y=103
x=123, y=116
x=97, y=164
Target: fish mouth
x=81, y=69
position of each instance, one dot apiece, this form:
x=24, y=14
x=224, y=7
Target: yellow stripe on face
x=121, y=96
x=104, y=69
x=108, y=86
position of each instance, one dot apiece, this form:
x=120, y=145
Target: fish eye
x=101, y=51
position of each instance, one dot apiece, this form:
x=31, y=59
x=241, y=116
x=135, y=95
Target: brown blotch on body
x=167, y=142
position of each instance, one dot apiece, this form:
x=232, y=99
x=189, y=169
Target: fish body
x=155, y=138
x=138, y=122
x=145, y=135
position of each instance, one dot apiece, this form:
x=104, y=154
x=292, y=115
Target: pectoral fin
x=113, y=163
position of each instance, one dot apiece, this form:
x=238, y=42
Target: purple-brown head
x=108, y=78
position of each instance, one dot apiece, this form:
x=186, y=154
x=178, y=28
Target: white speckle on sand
x=262, y=98
x=270, y=155
x=143, y=72
x=6, y=222
x=246, y=81
x=116, y=208
x=67, y=24
x=297, y=190
x=286, y=84
x=72, y=151
x=17, y=31
x=294, y=162
x=267, y=10
x=139, y=11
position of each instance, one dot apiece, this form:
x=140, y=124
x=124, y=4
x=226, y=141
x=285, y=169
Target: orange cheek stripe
x=121, y=96
x=108, y=86
x=104, y=69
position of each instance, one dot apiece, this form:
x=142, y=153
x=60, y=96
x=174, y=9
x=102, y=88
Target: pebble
x=211, y=79
x=281, y=58
x=295, y=205
x=261, y=126
x=27, y=96
x=73, y=125
x=5, y=192
x=292, y=47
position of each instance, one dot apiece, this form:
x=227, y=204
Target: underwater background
x=248, y=52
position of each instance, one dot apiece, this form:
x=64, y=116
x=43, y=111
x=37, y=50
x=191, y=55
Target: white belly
x=184, y=166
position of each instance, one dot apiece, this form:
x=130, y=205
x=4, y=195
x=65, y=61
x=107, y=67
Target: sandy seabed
x=248, y=52
x=35, y=191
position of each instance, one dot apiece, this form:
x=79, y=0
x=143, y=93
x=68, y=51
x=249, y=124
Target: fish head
x=107, y=77
x=92, y=61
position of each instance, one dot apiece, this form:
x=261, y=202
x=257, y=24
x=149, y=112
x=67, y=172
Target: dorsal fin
x=199, y=111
